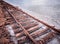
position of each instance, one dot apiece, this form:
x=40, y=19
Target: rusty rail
x=56, y=30
x=33, y=32
x=25, y=31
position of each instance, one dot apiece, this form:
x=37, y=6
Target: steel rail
x=52, y=28
x=25, y=31
x=46, y=24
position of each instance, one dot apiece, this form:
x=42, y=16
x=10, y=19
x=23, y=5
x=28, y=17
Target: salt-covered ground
x=49, y=10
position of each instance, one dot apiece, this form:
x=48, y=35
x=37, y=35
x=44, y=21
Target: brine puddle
x=10, y=30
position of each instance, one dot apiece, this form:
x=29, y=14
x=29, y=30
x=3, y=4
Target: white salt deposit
x=10, y=30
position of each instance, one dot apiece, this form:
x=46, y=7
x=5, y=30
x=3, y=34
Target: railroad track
x=23, y=28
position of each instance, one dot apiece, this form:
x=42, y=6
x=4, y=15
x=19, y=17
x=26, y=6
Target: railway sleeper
x=45, y=38
x=40, y=32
